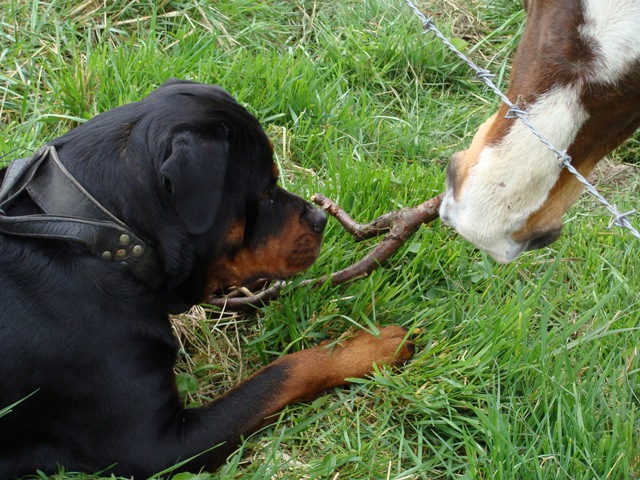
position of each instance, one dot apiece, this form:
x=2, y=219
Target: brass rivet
x=124, y=239
x=137, y=250
x=121, y=253
x=106, y=255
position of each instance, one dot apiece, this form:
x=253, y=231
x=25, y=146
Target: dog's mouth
x=303, y=254
x=237, y=273
x=273, y=260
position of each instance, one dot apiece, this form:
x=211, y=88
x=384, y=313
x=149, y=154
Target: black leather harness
x=71, y=213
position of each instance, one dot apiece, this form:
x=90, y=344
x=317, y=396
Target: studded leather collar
x=71, y=213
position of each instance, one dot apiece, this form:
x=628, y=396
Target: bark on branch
x=399, y=226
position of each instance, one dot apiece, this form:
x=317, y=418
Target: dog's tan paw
x=330, y=364
x=356, y=356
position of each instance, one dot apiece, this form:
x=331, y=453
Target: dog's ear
x=194, y=176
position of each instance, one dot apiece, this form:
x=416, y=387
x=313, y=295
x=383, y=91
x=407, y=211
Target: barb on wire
x=619, y=219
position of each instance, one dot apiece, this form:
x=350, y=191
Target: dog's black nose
x=315, y=218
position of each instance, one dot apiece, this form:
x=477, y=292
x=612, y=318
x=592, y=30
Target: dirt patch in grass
x=610, y=174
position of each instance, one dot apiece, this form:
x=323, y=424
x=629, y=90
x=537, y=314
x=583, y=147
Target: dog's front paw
x=356, y=356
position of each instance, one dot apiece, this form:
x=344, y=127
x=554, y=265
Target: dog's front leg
x=299, y=376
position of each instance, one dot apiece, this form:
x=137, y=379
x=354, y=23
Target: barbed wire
x=485, y=76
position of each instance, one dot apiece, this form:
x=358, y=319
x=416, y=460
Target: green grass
x=524, y=371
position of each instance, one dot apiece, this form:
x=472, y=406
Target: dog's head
x=190, y=170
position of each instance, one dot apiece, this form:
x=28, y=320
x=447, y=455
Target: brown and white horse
x=577, y=74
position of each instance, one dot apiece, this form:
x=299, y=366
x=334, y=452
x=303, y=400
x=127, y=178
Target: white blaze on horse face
x=510, y=180
x=500, y=186
x=612, y=27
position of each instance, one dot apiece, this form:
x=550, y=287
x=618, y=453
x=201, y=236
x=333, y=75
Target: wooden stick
x=412, y=217
x=400, y=225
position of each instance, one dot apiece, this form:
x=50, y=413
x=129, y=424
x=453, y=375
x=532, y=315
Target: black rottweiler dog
x=141, y=212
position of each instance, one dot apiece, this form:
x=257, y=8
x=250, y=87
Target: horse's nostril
x=544, y=240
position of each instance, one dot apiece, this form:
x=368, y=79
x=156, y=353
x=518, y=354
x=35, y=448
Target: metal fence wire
x=486, y=77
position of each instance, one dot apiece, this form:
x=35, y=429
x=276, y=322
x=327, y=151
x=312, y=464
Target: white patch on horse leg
x=611, y=28
x=512, y=179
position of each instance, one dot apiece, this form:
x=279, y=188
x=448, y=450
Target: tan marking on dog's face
x=235, y=234
x=279, y=254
